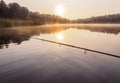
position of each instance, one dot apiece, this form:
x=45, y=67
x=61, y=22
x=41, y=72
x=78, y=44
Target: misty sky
x=73, y=8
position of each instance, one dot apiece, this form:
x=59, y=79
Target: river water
x=24, y=59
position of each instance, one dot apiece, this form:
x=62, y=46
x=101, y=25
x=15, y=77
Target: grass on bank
x=16, y=22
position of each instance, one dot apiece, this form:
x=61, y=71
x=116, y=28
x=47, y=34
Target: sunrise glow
x=59, y=10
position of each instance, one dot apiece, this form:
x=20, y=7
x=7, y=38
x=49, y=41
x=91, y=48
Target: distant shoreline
x=8, y=23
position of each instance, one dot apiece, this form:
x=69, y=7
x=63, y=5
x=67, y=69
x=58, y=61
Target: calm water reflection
x=26, y=60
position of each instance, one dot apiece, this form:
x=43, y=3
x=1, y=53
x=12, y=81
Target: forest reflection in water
x=20, y=34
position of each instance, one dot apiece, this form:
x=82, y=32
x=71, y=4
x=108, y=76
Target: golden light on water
x=59, y=36
x=59, y=10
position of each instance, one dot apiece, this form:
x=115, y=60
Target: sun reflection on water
x=59, y=36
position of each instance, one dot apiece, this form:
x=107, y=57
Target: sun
x=59, y=10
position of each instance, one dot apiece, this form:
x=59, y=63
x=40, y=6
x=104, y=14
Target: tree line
x=15, y=11
x=113, y=18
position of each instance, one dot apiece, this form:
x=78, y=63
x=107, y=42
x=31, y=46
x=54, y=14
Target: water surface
x=24, y=59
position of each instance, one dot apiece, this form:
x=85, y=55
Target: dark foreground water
x=27, y=60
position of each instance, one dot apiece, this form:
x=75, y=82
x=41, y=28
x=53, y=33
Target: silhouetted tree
x=17, y=12
x=3, y=9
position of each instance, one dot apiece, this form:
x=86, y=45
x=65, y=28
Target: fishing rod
x=86, y=49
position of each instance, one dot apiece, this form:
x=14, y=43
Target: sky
x=73, y=9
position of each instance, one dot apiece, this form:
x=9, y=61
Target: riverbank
x=16, y=22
